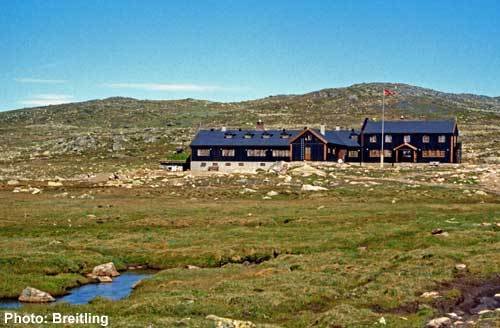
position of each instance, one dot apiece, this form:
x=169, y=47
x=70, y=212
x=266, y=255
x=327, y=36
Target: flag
x=388, y=92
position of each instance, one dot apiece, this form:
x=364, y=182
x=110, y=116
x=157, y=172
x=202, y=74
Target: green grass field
x=339, y=258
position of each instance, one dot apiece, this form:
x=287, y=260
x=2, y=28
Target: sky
x=54, y=52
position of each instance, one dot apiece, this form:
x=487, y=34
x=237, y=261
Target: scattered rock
x=54, y=184
x=382, y=321
x=308, y=187
x=192, y=267
x=12, y=182
x=272, y=193
x=442, y=322
x=430, y=295
x=437, y=231
x=230, y=323
x=106, y=269
x=481, y=193
x=460, y=267
x=33, y=295
x=104, y=279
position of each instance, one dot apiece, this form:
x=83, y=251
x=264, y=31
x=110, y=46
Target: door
x=307, y=153
x=406, y=155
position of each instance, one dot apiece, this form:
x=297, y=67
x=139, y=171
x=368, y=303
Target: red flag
x=388, y=92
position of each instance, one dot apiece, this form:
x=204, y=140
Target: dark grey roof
x=218, y=138
x=410, y=126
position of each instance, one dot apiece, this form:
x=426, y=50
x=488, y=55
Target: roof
x=444, y=126
x=274, y=138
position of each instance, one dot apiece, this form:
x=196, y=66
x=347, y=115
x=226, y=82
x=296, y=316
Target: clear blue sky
x=61, y=51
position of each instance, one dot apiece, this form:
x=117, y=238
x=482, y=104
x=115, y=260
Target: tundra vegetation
x=80, y=186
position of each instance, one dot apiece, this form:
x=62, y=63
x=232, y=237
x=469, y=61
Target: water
x=120, y=288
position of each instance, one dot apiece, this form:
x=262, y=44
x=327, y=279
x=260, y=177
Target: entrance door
x=307, y=153
x=405, y=155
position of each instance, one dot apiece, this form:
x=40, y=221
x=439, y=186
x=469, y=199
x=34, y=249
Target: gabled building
x=404, y=141
x=411, y=141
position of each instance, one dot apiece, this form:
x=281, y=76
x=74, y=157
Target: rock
x=484, y=312
x=453, y=316
x=497, y=296
x=481, y=193
x=12, y=182
x=430, y=295
x=442, y=322
x=460, y=267
x=308, y=187
x=35, y=191
x=272, y=193
x=192, y=267
x=33, y=295
x=382, y=321
x=307, y=170
x=54, y=184
x=106, y=269
x=104, y=279
x=230, y=323
x=437, y=231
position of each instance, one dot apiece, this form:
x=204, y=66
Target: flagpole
x=383, y=119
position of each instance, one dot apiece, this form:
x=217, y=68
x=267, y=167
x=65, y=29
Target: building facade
x=246, y=150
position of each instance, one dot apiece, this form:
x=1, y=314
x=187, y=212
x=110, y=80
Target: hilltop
x=131, y=132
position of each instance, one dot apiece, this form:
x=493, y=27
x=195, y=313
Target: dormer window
x=229, y=135
x=248, y=136
x=354, y=137
x=285, y=135
x=266, y=135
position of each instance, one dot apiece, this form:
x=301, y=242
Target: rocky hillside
x=127, y=131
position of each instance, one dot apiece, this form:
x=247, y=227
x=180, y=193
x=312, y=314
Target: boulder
x=442, y=322
x=104, y=279
x=308, y=187
x=430, y=295
x=192, y=267
x=12, y=182
x=230, y=323
x=460, y=267
x=106, y=269
x=272, y=193
x=33, y=295
x=54, y=184
x=307, y=170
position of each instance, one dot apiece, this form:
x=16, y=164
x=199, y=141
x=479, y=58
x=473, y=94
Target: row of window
x=251, y=135
x=203, y=164
x=407, y=138
x=250, y=152
x=425, y=153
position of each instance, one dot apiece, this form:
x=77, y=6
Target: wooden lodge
x=404, y=141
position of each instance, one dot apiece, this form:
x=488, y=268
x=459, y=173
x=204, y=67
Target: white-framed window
x=373, y=139
x=388, y=138
x=281, y=153
x=266, y=135
x=407, y=138
x=203, y=152
x=285, y=136
x=433, y=153
x=248, y=136
x=308, y=137
x=256, y=152
x=229, y=135
x=387, y=153
x=374, y=153
x=426, y=139
x=353, y=153
x=442, y=139
x=228, y=152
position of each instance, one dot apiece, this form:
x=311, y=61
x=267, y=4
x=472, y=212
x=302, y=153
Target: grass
x=341, y=258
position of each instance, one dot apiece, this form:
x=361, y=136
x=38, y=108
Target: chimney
x=259, y=125
x=322, y=129
x=223, y=129
x=337, y=128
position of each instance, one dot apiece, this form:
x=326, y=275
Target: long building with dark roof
x=404, y=141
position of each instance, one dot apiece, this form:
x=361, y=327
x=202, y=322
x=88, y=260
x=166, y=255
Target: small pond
x=120, y=288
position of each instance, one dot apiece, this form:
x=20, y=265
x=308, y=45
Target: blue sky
x=64, y=51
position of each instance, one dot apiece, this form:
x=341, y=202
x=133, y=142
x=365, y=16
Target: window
x=308, y=137
x=442, y=139
x=376, y=153
x=241, y=164
x=285, y=136
x=281, y=153
x=266, y=136
x=228, y=152
x=388, y=138
x=354, y=137
x=353, y=153
x=373, y=139
x=433, y=153
x=256, y=152
x=215, y=164
x=228, y=164
x=426, y=139
x=407, y=138
x=248, y=136
x=203, y=152
x=262, y=164
x=203, y=164
x=229, y=135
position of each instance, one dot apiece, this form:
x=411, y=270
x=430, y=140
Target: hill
x=127, y=131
